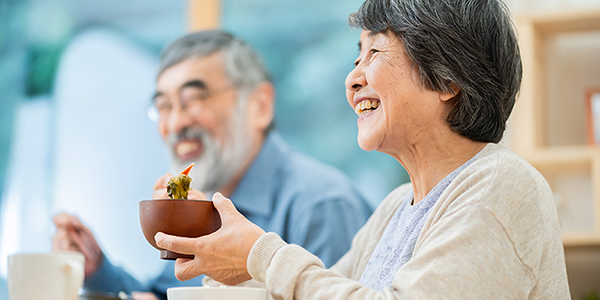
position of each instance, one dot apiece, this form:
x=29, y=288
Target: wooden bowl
x=185, y=218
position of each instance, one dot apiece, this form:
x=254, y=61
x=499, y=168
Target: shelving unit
x=559, y=151
x=204, y=14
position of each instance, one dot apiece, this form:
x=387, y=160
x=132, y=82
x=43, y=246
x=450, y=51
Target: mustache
x=188, y=133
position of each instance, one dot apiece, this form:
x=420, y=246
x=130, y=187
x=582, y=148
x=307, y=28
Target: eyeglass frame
x=152, y=112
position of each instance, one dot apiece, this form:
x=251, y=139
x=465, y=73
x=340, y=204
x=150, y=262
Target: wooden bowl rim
x=176, y=200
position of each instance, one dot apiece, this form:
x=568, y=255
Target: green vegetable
x=178, y=186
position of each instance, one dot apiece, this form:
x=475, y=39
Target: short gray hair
x=470, y=44
x=242, y=64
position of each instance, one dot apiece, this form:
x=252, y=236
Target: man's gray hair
x=243, y=65
x=468, y=44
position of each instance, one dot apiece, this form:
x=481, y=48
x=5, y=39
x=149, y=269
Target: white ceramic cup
x=216, y=293
x=45, y=276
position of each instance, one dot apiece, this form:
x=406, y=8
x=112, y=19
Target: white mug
x=45, y=276
x=213, y=293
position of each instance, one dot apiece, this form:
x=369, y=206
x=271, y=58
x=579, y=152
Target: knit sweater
x=493, y=234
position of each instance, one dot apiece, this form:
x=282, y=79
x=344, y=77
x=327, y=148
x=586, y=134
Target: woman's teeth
x=365, y=107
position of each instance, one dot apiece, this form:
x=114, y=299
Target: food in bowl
x=178, y=216
x=178, y=186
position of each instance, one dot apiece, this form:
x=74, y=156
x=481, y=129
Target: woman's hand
x=221, y=255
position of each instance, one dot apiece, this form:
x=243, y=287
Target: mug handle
x=74, y=274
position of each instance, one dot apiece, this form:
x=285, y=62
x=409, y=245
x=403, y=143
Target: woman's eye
x=373, y=51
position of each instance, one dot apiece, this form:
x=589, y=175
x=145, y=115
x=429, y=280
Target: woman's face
x=385, y=91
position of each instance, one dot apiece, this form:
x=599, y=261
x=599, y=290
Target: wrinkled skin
x=221, y=255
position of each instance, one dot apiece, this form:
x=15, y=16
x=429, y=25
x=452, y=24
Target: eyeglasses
x=160, y=108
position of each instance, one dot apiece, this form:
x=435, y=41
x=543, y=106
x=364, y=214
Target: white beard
x=218, y=162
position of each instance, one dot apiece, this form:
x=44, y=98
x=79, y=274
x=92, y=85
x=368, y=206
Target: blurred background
x=76, y=77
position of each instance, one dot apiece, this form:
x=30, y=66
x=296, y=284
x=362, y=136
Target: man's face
x=202, y=121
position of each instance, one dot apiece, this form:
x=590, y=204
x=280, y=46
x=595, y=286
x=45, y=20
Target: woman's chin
x=367, y=144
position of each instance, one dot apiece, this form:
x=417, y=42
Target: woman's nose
x=355, y=79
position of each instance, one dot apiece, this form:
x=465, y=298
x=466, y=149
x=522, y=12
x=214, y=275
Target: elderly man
x=214, y=106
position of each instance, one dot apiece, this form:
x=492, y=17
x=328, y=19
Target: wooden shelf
x=531, y=108
x=562, y=158
x=529, y=124
x=561, y=22
x=566, y=153
x=204, y=14
x=574, y=239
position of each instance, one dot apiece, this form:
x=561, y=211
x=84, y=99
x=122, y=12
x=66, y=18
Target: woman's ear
x=445, y=96
x=261, y=106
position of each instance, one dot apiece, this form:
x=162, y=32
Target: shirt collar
x=253, y=194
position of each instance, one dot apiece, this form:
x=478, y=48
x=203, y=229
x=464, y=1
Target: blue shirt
x=304, y=201
x=396, y=245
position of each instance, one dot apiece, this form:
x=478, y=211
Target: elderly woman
x=433, y=86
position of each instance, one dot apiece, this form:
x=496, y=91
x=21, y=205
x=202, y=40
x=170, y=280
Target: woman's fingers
x=176, y=244
x=225, y=207
x=221, y=255
x=186, y=269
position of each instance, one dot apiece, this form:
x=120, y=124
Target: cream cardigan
x=493, y=234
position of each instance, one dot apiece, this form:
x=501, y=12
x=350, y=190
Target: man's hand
x=160, y=189
x=71, y=235
x=221, y=255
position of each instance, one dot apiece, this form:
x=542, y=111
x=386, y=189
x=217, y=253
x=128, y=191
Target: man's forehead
x=209, y=64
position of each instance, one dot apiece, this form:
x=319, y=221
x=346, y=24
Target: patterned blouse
x=398, y=241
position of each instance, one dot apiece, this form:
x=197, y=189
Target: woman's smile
x=365, y=106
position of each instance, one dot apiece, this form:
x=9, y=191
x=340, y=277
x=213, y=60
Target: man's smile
x=187, y=150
